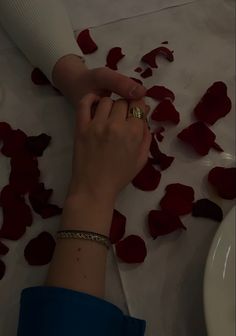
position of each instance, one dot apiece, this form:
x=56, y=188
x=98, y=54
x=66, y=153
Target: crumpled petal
x=113, y=57
x=160, y=93
x=146, y=73
x=207, y=209
x=148, y=178
x=159, y=158
x=37, y=144
x=132, y=249
x=224, y=181
x=150, y=58
x=166, y=111
x=86, y=43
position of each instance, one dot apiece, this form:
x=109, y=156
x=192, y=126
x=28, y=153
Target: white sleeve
x=41, y=29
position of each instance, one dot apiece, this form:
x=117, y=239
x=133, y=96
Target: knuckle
x=106, y=101
x=112, y=130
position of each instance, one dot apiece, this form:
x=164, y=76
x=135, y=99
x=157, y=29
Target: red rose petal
x=178, y=199
x=132, y=249
x=160, y=93
x=113, y=57
x=86, y=43
x=138, y=70
x=162, y=223
x=37, y=144
x=207, y=209
x=3, y=249
x=159, y=158
x=166, y=111
x=39, y=197
x=117, y=229
x=8, y=196
x=148, y=178
x=137, y=80
x=14, y=143
x=5, y=130
x=39, y=251
x=2, y=269
x=38, y=77
x=150, y=58
x=217, y=147
x=51, y=210
x=199, y=136
x=164, y=42
x=146, y=73
x=214, y=105
x=158, y=134
x=224, y=181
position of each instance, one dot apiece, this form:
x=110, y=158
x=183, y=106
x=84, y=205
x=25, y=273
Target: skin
x=102, y=141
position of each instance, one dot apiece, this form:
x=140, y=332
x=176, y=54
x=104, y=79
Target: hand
x=109, y=149
x=75, y=80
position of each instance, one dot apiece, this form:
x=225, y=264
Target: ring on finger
x=136, y=112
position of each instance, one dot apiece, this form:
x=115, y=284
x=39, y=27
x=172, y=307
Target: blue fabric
x=51, y=311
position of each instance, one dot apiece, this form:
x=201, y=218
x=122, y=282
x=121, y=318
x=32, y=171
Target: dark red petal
x=164, y=42
x=38, y=77
x=5, y=130
x=158, y=133
x=50, y=210
x=2, y=269
x=146, y=73
x=113, y=57
x=132, y=249
x=224, y=181
x=39, y=251
x=148, y=178
x=8, y=196
x=214, y=105
x=208, y=209
x=138, y=69
x=37, y=144
x=159, y=158
x=14, y=143
x=86, y=43
x=217, y=147
x=162, y=223
x=166, y=111
x=199, y=136
x=3, y=249
x=137, y=80
x=150, y=58
x=117, y=229
x=160, y=93
x=178, y=199
x=39, y=197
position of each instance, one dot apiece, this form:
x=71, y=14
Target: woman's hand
x=110, y=149
x=72, y=77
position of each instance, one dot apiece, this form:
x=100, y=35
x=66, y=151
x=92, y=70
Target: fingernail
x=137, y=91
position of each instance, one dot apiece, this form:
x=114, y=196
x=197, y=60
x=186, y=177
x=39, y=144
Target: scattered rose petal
x=5, y=130
x=9, y=196
x=159, y=158
x=178, y=199
x=138, y=70
x=224, y=181
x=132, y=249
x=113, y=57
x=217, y=147
x=117, y=229
x=14, y=143
x=164, y=42
x=38, y=77
x=162, y=223
x=158, y=133
x=148, y=178
x=199, y=136
x=39, y=251
x=51, y=210
x=166, y=111
x=146, y=73
x=86, y=43
x=37, y=144
x=3, y=249
x=150, y=58
x=207, y=209
x=215, y=104
x=2, y=269
x=137, y=80
x=160, y=93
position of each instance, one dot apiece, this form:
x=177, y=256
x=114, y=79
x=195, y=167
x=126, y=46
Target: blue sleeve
x=52, y=311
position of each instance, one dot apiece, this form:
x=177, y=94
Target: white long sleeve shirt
x=41, y=29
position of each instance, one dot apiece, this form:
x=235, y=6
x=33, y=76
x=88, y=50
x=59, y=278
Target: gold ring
x=136, y=112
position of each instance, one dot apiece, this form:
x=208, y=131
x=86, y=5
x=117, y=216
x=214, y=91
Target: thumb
x=124, y=86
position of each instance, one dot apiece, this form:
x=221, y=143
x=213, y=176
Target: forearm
x=78, y=264
x=41, y=29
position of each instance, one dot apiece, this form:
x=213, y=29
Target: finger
x=119, y=110
x=83, y=115
x=145, y=146
x=103, y=109
x=111, y=80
